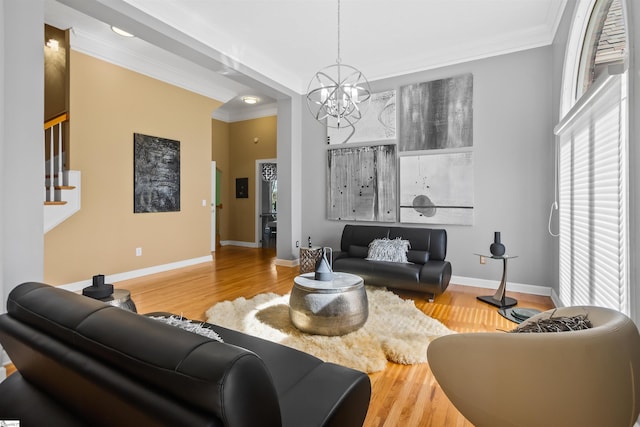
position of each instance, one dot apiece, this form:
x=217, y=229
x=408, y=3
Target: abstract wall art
x=437, y=188
x=156, y=174
x=242, y=188
x=362, y=183
x=377, y=124
x=437, y=114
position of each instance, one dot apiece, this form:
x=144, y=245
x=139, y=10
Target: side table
x=308, y=258
x=121, y=298
x=499, y=299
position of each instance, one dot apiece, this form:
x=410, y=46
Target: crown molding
x=170, y=69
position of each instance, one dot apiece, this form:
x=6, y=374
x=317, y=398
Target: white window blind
x=592, y=184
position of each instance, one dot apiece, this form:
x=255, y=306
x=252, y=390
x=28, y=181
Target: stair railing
x=55, y=168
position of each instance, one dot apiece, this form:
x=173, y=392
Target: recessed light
x=250, y=99
x=121, y=32
x=53, y=44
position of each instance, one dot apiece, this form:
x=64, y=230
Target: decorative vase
x=497, y=248
x=324, y=270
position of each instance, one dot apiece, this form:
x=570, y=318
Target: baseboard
x=239, y=243
x=511, y=286
x=118, y=277
x=287, y=262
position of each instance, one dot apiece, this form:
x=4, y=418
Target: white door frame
x=258, y=201
x=213, y=205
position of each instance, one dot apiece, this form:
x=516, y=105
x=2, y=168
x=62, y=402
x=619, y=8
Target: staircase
x=62, y=187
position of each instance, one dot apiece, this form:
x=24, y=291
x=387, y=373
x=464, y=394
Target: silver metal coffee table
x=334, y=307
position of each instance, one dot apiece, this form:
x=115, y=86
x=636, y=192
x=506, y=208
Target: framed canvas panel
x=437, y=188
x=377, y=124
x=156, y=174
x=362, y=183
x=242, y=188
x=437, y=114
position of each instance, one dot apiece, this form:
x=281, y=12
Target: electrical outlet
x=483, y=260
x=204, y=202
x=138, y=251
x=297, y=243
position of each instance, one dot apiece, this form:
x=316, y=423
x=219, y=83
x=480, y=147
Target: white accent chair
x=579, y=378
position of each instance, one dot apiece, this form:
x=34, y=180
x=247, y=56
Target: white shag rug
x=395, y=330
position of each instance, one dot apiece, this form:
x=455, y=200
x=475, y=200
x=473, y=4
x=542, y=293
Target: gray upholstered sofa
x=82, y=362
x=426, y=270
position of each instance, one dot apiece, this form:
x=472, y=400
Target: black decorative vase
x=497, y=248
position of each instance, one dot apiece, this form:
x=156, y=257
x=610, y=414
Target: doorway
x=267, y=203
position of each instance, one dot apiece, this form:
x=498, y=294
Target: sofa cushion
x=392, y=250
x=357, y=251
x=417, y=257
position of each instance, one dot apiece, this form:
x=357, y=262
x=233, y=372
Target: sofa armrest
x=337, y=396
x=436, y=273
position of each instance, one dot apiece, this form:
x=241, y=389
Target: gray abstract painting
x=156, y=174
x=377, y=124
x=437, y=114
x=362, y=184
x=437, y=188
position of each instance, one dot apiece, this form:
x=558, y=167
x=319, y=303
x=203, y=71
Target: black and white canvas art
x=437, y=114
x=437, y=188
x=377, y=124
x=362, y=183
x=156, y=174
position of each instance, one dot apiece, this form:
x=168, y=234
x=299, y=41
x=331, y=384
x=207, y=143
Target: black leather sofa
x=82, y=362
x=427, y=270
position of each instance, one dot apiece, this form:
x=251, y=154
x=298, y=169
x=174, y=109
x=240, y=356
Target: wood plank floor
x=401, y=395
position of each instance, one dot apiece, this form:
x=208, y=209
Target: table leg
x=499, y=299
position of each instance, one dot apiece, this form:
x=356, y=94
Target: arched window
x=604, y=43
x=592, y=149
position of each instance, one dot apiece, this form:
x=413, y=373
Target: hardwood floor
x=401, y=395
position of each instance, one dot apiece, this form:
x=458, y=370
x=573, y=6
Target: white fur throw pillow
x=394, y=250
x=189, y=325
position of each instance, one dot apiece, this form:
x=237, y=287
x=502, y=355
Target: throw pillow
x=188, y=325
x=555, y=324
x=393, y=250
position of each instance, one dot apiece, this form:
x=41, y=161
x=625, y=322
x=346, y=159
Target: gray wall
x=513, y=168
x=22, y=142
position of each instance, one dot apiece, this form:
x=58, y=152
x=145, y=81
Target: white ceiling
x=287, y=41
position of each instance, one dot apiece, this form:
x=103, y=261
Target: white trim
x=287, y=262
x=118, y=277
x=166, y=66
x=511, y=287
x=259, y=112
x=579, y=23
x=239, y=243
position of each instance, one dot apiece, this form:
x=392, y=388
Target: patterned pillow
x=555, y=324
x=393, y=250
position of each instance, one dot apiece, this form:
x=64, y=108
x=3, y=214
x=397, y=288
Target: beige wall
x=238, y=216
x=108, y=104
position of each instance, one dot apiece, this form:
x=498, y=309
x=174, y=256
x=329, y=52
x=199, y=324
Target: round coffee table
x=333, y=307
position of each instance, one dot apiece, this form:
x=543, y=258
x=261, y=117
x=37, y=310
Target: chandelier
x=339, y=93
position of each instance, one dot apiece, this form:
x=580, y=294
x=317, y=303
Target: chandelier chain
x=338, y=59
